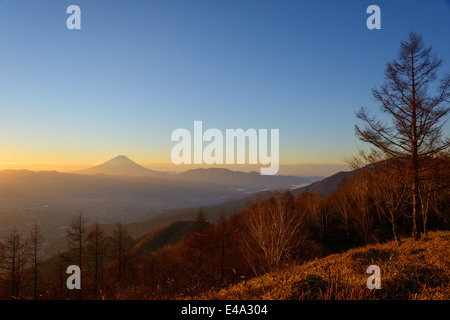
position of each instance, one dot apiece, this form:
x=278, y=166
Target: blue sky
x=137, y=70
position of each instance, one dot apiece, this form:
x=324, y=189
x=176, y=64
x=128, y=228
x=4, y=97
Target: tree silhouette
x=121, y=238
x=77, y=241
x=13, y=258
x=97, y=250
x=414, y=133
x=36, y=239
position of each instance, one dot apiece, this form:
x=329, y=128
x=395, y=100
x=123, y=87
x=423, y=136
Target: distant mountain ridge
x=123, y=166
x=242, y=179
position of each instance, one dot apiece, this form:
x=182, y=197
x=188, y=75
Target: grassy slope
x=414, y=270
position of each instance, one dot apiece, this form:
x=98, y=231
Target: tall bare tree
x=121, y=239
x=97, y=251
x=199, y=238
x=77, y=242
x=414, y=132
x=13, y=258
x=36, y=240
x=59, y=273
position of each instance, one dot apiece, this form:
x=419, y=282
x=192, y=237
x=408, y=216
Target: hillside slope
x=155, y=240
x=414, y=270
x=325, y=186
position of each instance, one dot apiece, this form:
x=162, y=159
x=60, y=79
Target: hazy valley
x=122, y=191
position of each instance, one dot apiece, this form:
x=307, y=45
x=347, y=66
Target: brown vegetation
x=414, y=270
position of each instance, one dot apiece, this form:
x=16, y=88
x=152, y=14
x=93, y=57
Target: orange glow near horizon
x=286, y=168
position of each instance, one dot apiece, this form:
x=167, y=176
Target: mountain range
x=123, y=166
x=122, y=190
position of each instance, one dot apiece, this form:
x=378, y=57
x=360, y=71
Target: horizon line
x=303, y=169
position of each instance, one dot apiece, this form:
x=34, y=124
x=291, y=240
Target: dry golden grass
x=413, y=270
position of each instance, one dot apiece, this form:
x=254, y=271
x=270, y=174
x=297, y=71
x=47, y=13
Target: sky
x=138, y=70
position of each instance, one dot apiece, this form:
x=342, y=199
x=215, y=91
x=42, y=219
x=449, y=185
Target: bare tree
x=274, y=230
x=13, y=258
x=316, y=212
x=340, y=202
x=36, y=240
x=417, y=117
x=356, y=193
x=97, y=251
x=390, y=196
x=59, y=273
x=121, y=239
x=77, y=241
x=433, y=188
x=199, y=240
